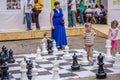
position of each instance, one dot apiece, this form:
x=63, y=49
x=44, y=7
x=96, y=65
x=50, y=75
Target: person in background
x=81, y=9
x=73, y=9
x=38, y=5
x=97, y=12
x=88, y=14
x=28, y=5
x=70, y=21
x=112, y=35
x=88, y=41
x=57, y=25
x=84, y=13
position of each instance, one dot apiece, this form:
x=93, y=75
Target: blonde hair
x=87, y=24
x=114, y=22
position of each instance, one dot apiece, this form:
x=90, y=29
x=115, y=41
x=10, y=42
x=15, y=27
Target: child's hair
x=114, y=22
x=45, y=34
x=87, y=24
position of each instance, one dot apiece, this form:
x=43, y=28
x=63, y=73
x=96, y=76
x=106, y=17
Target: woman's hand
x=52, y=27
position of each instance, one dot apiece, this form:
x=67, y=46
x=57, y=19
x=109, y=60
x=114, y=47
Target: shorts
x=114, y=43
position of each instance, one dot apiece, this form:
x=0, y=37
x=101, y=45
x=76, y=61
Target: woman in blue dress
x=58, y=29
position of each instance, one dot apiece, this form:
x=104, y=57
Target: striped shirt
x=89, y=37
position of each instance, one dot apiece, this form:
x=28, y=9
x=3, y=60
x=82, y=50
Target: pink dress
x=113, y=37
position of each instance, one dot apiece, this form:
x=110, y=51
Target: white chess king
x=108, y=56
x=38, y=56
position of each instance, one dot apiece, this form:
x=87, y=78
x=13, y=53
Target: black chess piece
x=101, y=73
x=1, y=62
x=5, y=73
x=49, y=46
x=29, y=67
x=3, y=48
x=11, y=58
x=75, y=65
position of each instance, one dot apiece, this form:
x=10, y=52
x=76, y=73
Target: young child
x=113, y=32
x=46, y=37
x=88, y=41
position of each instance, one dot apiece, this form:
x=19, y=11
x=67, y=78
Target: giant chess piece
x=100, y=74
x=54, y=47
x=34, y=73
x=108, y=56
x=44, y=49
x=49, y=46
x=116, y=65
x=3, y=48
x=38, y=56
x=56, y=70
x=95, y=62
x=5, y=73
x=66, y=53
x=84, y=60
x=11, y=58
x=75, y=65
x=23, y=70
x=29, y=69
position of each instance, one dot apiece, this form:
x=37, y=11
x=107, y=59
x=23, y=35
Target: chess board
x=65, y=72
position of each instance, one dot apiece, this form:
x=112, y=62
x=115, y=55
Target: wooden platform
x=20, y=35
x=102, y=30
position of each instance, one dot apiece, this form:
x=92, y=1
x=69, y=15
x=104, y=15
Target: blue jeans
x=81, y=16
x=28, y=20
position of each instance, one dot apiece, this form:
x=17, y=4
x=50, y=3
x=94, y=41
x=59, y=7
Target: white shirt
x=98, y=11
x=73, y=7
x=27, y=8
x=113, y=33
x=88, y=10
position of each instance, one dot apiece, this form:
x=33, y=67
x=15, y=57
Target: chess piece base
x=11, y=61
x=109, y=58
x=84, y=63
x=116, y=66
x=75, y=67
x=101, y=76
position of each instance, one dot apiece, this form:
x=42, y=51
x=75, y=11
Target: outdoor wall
x=113, y=10
x=12, y=19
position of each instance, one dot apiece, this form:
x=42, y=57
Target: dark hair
x=89, y=6
x=81, y=1
x=114, y=22
x=101, y=6
x=56, y=3
x=96, y=6
x=36, y=1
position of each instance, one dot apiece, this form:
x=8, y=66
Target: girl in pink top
x=113, y=32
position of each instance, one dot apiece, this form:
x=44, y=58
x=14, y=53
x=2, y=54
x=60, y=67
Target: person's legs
x=74, y=18
x=87, y=50
x=81, y=17
x=28, y=20
x=37, y=19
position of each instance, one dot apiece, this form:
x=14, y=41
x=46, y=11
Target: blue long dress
x=58, y=33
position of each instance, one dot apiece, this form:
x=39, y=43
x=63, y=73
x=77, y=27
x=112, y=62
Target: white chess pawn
x=44, y=49
x=108, y=56
x=23, y=70
x=95, y=66
x=38, y=56
x=54, y=47
x=66, y=53
x=34, y=73
x=84, y=60
x=56, y=70
x=116, y=65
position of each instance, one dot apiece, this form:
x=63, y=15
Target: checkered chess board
x=65, y=72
